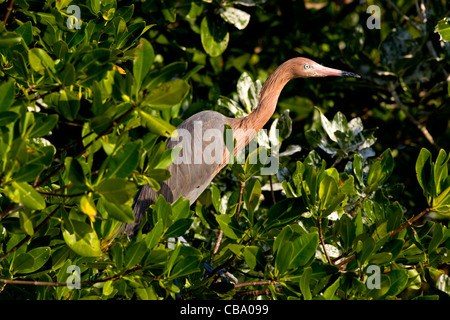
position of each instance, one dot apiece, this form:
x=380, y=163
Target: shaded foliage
x=89, y=91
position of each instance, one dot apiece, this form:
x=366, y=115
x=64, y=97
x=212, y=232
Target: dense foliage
x=358, y=208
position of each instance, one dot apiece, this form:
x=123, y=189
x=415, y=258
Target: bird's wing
x=202, y=156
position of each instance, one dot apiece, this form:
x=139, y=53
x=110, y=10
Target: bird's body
x=207, y=154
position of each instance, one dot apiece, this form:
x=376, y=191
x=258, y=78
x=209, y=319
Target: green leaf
x=252, y=194
x=214, y=36
x=156, y=125
x=26, y=223
x=368, y=245
x=443, y=28
x=8, y=117
x=68, y=75
x=284, y=211
x=424, y=170
x=117, y=190
x=40, y=257
x=347, y=231
x=26, y=31
x=283, y=237
x=330, y=292
x=178, y=228
x=441, y=204
x=158, y=174
x=358, y=169
x=441, y=171
x=76, y=173
x=134, y=254
x=304, y=249
x=168, y=94
x=40, y=61
x=21, y=192
x=117, y=211
x=436, y=239
x=398, y=281
x=253, y=257
x=81, y=238
x=10, y=40
x=143, y=61
x=380, y=258
x=215, y=197
x=68, y=104
x=23, y=261
x=43, y=124
x=284, y=257
x=329, y=196
x=6, y=95
x=229, y=226
x=248, y=94
x=236, y=17
x=125, y=160
x=186, y=266
x=162, y=211
x=304, y=283
x=180, y=209
x=154, y=236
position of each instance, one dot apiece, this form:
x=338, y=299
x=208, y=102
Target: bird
x=190, y=178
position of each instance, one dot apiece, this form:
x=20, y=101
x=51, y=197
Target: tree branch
x=410, y=222
x=62, y=284
x=241, y=191
x=323, y=242
x=8, y=11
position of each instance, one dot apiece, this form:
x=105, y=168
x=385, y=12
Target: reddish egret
x=190, y=178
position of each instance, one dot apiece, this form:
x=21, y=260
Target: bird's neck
x=268, y=99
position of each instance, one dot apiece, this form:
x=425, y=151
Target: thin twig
x=216, y=247
x=271, y=189
x=61, y=284
x=323, y=242
x=410, y=222
x=241, y=191
x=8, y=11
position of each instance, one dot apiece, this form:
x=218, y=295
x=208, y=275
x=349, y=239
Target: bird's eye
x=306, y=66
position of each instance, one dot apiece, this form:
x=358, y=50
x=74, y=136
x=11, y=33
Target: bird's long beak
x=325, y=72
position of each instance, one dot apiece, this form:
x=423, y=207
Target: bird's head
x=306, y=68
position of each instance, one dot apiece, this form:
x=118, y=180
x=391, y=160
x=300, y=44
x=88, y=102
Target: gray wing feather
x=189, y=178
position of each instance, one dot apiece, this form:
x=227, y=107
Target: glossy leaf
x=116, y=190
x=214, y=36
x=168, y=94
x=229, y=226
x=23, y=193
x=156, y=125
x=81, y=238
x=6, y=95
x=143, y=61
x=304, y=249
x=125, y=160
